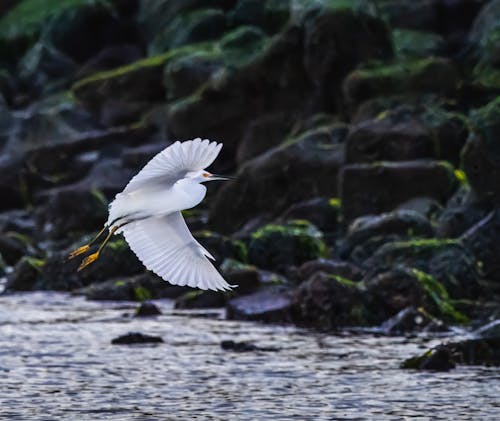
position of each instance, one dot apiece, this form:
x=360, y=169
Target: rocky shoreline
x=367, y=161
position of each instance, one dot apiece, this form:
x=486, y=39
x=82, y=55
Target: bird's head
x=203, y=176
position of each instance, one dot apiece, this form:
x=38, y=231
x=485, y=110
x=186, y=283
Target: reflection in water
x=57, y=362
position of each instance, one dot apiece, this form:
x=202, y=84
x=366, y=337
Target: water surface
x=57, y=362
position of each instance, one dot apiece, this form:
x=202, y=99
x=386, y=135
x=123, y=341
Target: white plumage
x=147, y=212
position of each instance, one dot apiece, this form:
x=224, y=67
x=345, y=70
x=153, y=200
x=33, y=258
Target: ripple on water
x=57, y=362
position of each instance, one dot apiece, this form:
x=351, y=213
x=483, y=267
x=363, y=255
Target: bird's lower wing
x=166, y=247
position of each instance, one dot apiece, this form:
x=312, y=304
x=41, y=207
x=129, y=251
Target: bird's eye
x=206, y=175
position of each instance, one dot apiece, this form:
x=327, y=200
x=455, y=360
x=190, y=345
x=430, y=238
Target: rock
x=131, y=288
x=137, y=157
x=298, y=170
x=330, y=267
x=411, y=319
x=147, y=309
x=404, y=224
x=409, y=43
x=332, y=48
x=246, y=277
x=221, y=247
x=268, y=305
x=425, y=206
x=482, y=239
x=429, y=75
x=244, y=347
x=201, y=299
x=263, y=134
x=393, y=136
x=109, y=58
x=269, y=14
x=12, y=183
x=277, y=246
x=12, y=247
x=439, y=359
x=448, y=261
x=421, y=15
x=195, y=26
x=483, y=36
x=481, y=155
x=379, y=187
x=25, y=275
x=136, y=338
x=328, y=301
x=17, y=221
x=322, y=212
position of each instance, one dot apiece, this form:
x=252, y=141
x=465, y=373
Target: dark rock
x=147, y=309
x=246, y=277
x=136, y=338
x=268, y=305
x=401, y=223
x=25, y=275
x=490, y=330
x=18, y=221
x=278, y=246
x=262, y=134
x=448, y=261
x=11, y=248
x=139, y=156
x=411, y=319
x=425, y=206
x=298, y=170
x=111, y=57
x=131, y=288
x=322, y=212
x=439, y=359
x=12, y=183
x=375, y=188
x=201, y=299
x=420, y=15
x=409, y=43
x=328, y=301
x=428, y=75
x=330, y=267
x=482, y=239
x=244, y=347
x=483, y=36
x=481, y=155
x=221, y=247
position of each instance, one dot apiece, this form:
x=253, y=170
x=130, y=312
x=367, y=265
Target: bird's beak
x=214, y=177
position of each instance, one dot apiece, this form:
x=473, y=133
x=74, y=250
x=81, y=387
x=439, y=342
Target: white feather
x=166, y=247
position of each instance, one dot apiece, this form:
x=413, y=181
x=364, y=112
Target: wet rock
x=483, y=35
x=328, y=301
x=482, y=239
x=268, y=305
x=330, y=267
x=11, y=247
x=263, y=134
x=439, y=359
x=201, y=299
x=481, y=155
x=322, y=212
x=270, y=14
x=425, y=206
x=394, y=136
x=401, y=223
x=136, y=338
x=137, y=157
x=244, y=347
x=448, y=261
x=332, y=48
x=428, y=75
x=18, y=221
x=278, y=246
x=375, y=188
x=298, y=170
x=420, y=15
x=411, y=319
x=147, y=309
x=131, y=288
x=410, y=43
x=246, y=277
x=109, y=58
x=25, y=275
x=221, y=247
x=12, y=183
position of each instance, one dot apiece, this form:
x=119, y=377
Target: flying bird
x=148, y=213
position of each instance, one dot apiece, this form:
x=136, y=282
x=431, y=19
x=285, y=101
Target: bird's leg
x=83, y=249
x=94, y=256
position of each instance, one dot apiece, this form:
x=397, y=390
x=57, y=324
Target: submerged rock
x=147, y=309
x=201, y=299
x=230, y=345
x=136, y=338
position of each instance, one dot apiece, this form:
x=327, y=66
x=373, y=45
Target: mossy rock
x=413, y=76
x=242, y=45
x=278, y=246
x=416, y=44
x=188, y=28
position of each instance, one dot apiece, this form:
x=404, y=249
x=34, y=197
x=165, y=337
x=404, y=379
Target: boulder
x=12, y=247
x=380, y=187
x=136, y=338
x=330, y=267
x=300, y=169
x=410, y=320
x=276, y=247
x=201, y=299
x=25, y=275
x=410, y=43
x=269, y=305
x=147, y=309
x=229, y=345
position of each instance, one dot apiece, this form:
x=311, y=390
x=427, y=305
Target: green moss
x=27, y=18
x=120, y=283
x=486, y=76
x=461, y=177
x=412, y=44
x=439, y=295
x=35, y=263
x=141, y=293
x=117, y=245
x=344, y=281
x=427, y=243
x=335, y=202
x=241, y=46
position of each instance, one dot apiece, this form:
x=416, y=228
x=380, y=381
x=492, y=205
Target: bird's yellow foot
x=78, y=251
x=88, y=260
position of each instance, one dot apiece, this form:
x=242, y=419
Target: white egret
x=148, y=213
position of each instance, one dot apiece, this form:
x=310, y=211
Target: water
x=57, y=362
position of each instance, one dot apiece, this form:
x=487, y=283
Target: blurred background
x=362, y=227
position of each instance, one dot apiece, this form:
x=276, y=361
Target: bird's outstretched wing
x=166, y=247
x=174, y=162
